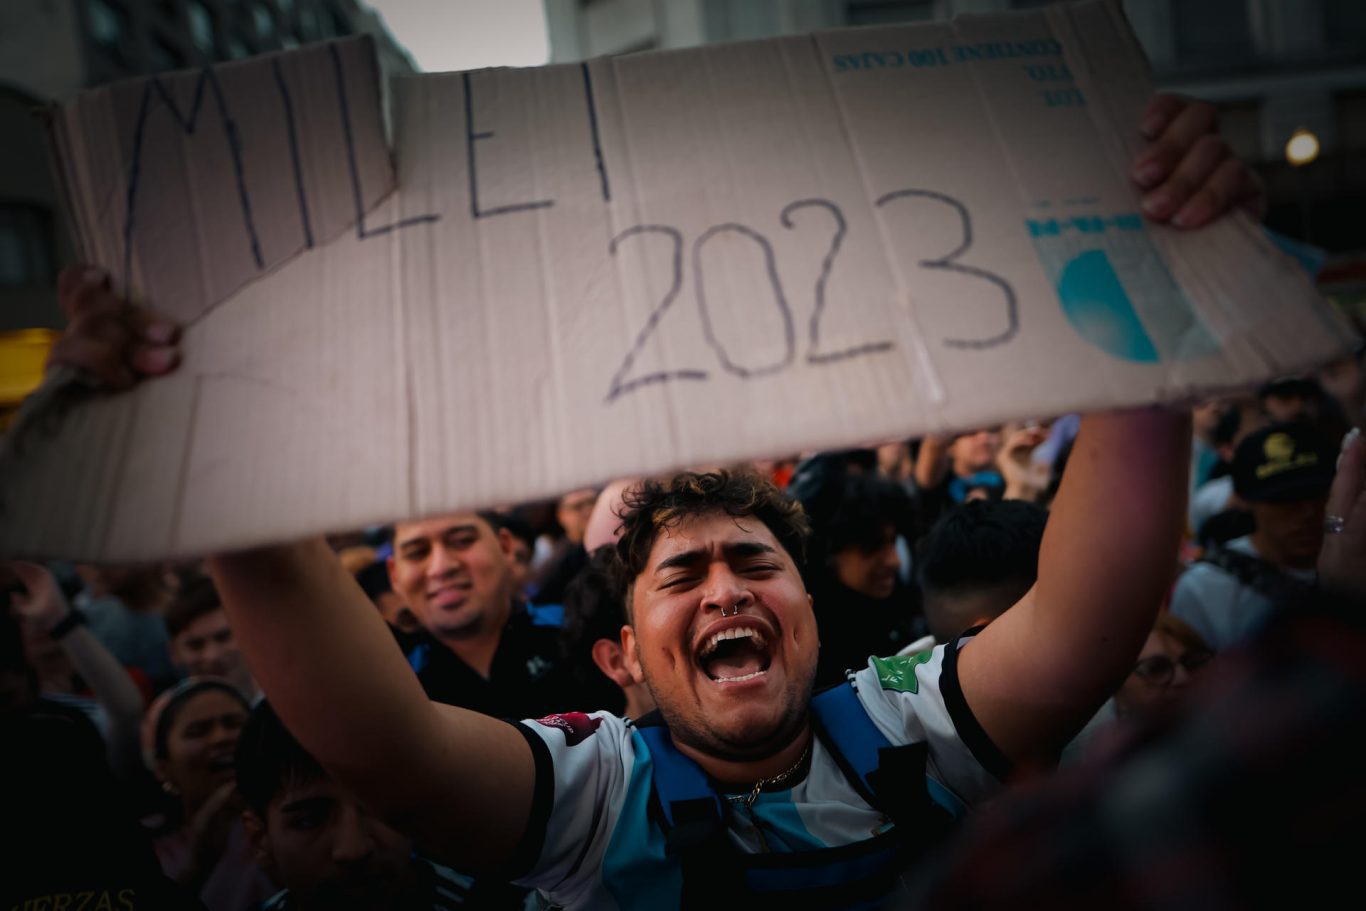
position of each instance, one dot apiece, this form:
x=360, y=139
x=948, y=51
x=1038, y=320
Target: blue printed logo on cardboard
x=1115, y=289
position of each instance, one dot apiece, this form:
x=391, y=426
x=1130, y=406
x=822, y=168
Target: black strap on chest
x=891, y=779
x=1262, y=576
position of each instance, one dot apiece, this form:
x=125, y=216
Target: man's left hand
x=1188, y=174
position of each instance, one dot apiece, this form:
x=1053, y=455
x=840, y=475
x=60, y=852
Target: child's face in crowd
x=573, y=512
x=976, y=451
x=452, y=572
x=200, y=744
x=207, y=648
x=871, y=573
x=321, y=845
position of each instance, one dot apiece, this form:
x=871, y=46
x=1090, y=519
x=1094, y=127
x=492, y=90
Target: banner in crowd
x=555, y=276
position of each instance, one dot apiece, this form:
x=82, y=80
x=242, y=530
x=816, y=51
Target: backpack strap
x=689, y=805
x=892, y=779
x=693, y=821
x=1259, y=575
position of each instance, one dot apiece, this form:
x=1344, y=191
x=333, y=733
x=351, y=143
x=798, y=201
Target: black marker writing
x=949, y=263
x=593, y=125
x=815, y=355
x=779, y=299
x=357, y=195
x=620, y=385
x=470, y=138
x=288, y=103
x=152, y=92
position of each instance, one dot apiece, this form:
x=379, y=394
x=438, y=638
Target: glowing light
x=1302, y=147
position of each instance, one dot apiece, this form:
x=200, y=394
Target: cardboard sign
x=623, y=267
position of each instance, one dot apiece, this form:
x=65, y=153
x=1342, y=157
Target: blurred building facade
x=52, y=49
x=1272, y=67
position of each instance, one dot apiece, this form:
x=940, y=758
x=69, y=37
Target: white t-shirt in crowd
x=1222, y=609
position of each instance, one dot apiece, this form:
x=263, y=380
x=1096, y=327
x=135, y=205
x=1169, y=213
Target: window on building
x=883, y=12
x=264, y=22
x=1213, y=33
x=238, y=49
x=310, y=27
x=1351, y=120
x=341, y=26
x=1345, y=25
x=108, y=23
x=203, y=32
x=286, y=6
x=27, y=256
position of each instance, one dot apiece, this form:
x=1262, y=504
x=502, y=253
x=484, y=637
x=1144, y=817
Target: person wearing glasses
x=1170, y=661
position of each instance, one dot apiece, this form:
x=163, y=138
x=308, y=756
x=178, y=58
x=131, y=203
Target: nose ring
x=734, y=610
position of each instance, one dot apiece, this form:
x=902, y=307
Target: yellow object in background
x=23, y=353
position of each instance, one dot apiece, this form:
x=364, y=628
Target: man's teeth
x=740, y=678
x=739, y=632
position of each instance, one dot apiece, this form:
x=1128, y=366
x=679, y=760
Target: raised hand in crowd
x=1023, y=481
x=1342, y=561
x=40, y=604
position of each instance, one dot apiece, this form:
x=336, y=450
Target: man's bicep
x=479, y=779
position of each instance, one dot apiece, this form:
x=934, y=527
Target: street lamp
x=1300, y=150
x=1302, y=147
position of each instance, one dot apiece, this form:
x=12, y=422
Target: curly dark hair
x=653, y=506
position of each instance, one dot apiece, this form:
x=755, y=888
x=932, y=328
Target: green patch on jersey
x=898, y=672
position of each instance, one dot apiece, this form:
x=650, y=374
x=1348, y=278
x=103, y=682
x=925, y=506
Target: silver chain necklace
x=753, y=795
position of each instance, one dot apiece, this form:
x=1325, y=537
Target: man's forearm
x=321, y=652
x=115, y=690
x=328, y=664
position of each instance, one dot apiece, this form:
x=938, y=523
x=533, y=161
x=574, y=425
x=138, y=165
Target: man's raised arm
x=1035, y=675
x=329, y=666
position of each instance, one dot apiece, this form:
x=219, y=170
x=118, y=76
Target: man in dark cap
x=1283, y=473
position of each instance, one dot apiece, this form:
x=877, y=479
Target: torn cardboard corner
x=189, y=185
x=623, y=267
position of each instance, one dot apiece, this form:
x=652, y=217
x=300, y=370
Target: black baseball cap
x=1284, y=462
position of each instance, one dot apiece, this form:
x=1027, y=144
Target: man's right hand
x=109, y=340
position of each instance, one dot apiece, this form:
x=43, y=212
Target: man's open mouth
x=734, y=655
x=221, y=763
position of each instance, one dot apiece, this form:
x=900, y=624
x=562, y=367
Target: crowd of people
x=846, y=679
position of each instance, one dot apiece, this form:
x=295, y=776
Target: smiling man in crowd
x=481, y=650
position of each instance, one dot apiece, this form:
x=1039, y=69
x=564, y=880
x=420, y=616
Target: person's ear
x=611, y=660
x=259, y=838
x=630, y=654
x=507, y=543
